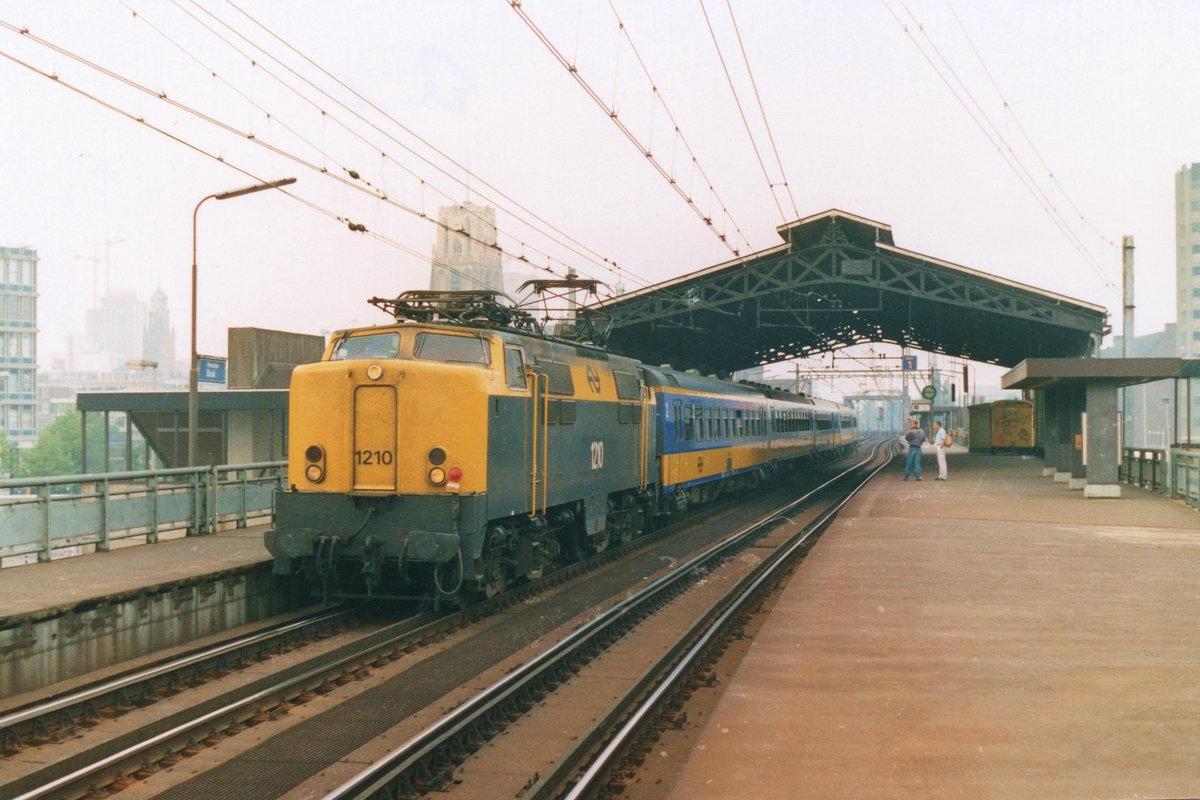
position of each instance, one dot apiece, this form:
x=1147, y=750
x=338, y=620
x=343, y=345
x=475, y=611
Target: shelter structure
x=1079, y=422
x=837, y=280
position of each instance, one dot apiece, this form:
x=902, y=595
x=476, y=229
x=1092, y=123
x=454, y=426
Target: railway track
x=122, y=760
x=114, y=762
x=430, y=760
x=60, y=715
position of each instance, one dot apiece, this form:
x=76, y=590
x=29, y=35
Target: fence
x=1143, y=467
x=63, y=515
x=1185, y=483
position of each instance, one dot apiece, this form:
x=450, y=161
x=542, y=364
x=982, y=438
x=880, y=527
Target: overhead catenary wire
x=584, y=251
x=1001, y=145
x=600, y=261
x=657, y=99
x=762, y=109
x=1024, y=133
x=141, y=120
x=608, y=263
x=614, y=117
x=351, y=180
x=260, y=141
x=742, y=112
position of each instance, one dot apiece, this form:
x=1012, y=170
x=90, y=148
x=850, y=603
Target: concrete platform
x=66, y=618
x=55, y=586
x=992, y=636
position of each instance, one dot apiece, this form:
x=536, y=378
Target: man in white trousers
x=941, y=440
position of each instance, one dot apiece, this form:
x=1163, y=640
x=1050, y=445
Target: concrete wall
x=262, y=359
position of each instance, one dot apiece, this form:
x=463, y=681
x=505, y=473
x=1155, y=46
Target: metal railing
x=63, y=515
x=1143, y=467
x=1185, y=476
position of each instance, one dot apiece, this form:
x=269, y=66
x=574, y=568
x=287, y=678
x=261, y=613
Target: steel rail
x=107, y=757
x=703, y=636
x=34, y=718
x=233, y=704
x=423, y=759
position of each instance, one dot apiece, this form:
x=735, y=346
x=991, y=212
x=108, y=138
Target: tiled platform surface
x=993, y=636
x=65, y=583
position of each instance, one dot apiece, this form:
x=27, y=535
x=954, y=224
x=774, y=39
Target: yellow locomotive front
x=387, y=469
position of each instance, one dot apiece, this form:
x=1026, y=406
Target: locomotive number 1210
x=371, y=457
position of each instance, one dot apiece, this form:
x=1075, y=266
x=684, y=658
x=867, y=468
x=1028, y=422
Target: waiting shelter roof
x=1039, y=373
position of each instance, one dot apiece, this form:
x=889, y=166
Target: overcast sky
x=1105, y=91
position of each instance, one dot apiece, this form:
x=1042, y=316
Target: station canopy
x=839, y=280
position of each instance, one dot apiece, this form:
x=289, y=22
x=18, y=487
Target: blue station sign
x=212, y=370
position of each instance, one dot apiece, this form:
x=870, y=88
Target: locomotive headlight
x=374, y=372
x=437, y=456
x=314, y=454
x=456, y=474
x=437, y=476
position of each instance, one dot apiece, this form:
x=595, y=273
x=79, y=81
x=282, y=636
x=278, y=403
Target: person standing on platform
x=915, y=438
x=941, y=440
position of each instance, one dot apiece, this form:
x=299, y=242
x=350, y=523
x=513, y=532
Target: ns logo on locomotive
x=462, y=448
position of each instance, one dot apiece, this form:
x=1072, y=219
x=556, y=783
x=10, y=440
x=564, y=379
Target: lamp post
x=140, y=364
x=194, y=373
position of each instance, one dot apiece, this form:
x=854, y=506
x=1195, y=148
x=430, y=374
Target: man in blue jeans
x=915, y=438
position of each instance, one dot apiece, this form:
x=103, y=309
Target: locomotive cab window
x=446, y=347
x=375, y=345
x=514, y=366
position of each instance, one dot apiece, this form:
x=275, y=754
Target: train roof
x=665, y=377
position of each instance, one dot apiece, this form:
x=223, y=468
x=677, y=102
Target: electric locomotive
x=462, y=447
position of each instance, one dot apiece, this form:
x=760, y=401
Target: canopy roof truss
x=837, y=281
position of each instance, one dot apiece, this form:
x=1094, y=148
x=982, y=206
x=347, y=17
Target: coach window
x=514, y=366
x=689, y=425
x=678, y=420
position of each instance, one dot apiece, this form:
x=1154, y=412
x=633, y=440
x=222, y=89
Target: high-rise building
x=18, y=344
x=464, y=253
x=158, y=342
x=114, y=332
x=1187, y=259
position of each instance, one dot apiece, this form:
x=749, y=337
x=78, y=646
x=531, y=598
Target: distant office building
x=158, y=341
x=18, y=344
x=464, y=253
x=115, y=328
x=1187, y=259
x=1149, y=407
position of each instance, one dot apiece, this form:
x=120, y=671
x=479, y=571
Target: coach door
x=375, y=433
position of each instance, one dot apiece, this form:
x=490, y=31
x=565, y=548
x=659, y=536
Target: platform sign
x=921, y=406
x=908, y=363
x=212, y=370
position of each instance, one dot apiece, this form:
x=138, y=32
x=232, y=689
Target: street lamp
x=144, y=363
x=194, y=374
